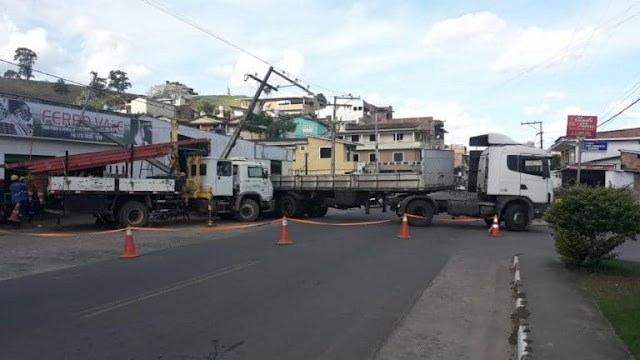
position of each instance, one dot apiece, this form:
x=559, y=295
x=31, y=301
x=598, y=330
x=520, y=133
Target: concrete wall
x=619, y=178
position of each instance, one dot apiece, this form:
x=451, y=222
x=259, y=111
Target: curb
x=520, y=329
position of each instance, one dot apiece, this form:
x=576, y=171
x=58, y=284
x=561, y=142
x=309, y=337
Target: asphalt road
x=337, y=293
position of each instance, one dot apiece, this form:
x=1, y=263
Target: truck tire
x=248, y=211
x=133, y=213
x=516, y=217
x=289, y=206
x=317, y=210
x=421, y=208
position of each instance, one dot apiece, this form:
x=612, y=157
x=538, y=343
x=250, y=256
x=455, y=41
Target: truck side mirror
x=265, y=174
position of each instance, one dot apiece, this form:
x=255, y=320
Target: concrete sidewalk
x=564, y=323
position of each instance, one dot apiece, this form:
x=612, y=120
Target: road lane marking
x=98, y=310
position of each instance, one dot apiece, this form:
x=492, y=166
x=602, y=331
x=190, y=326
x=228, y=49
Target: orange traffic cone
x=284, y=233
x=494, y=231
x=404, y=228
x=15, y=214
x=129, y=250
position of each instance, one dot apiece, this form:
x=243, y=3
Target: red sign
x=582, y=126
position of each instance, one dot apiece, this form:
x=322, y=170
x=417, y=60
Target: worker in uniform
x=18, y=190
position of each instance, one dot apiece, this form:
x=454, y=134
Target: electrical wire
x=160, y=6
x=620, y=112
x=77, y=83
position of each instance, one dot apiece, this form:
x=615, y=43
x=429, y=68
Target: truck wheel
x=516, y=217
x=317, y=210
x=420, y=208
x=248, y=210
x=290, y=207
x=134, y=213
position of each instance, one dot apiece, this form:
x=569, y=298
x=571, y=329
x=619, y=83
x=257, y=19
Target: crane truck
x=230, y=187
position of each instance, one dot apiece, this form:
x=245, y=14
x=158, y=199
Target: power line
x=158, y=5
x=620, y=112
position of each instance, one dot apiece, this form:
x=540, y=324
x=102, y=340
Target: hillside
x=38, y=89
x=224, y=100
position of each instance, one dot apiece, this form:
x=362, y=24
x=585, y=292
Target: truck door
x=534, y=177
x=223, y=179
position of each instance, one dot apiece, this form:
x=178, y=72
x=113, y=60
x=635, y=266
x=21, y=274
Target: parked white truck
x=227, y=187
x=507, y=179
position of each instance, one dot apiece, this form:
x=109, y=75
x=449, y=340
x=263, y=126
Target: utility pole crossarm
x=540, y=132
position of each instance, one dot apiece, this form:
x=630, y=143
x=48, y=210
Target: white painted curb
x=521, y=331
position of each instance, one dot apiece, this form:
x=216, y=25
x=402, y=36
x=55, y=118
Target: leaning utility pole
x=252, y=105
x=263, y=84
x=539, y=131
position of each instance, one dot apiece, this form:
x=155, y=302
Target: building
x=611, y=159
x=400, y=142
x=37, y=129
x=308, y=127
x=291, y=106
x=356, y=111
x=312, y=155
x=177, y=109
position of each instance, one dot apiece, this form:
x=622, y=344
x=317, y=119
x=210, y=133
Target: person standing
x=19, y=196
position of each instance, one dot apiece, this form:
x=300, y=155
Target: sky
x=480, y=66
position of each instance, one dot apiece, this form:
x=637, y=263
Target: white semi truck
x=507, y=179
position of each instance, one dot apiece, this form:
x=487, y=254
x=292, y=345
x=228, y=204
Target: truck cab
x=511, y=173
x=239, y=187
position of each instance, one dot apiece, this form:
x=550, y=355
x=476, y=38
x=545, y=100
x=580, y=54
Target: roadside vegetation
x=589, y=224
x=615, y=287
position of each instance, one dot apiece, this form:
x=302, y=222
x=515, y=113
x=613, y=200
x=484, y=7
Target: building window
x=372, y=157
x=303, y=148
x=356, y=157
x=355, y=138
x=325, y=153
x=398, y=137
x=398, y=157
x=372, y=138
x=341, y=137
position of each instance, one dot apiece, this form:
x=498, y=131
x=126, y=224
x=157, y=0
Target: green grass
x=38, y=89
x=615, y=286
x=223, y=100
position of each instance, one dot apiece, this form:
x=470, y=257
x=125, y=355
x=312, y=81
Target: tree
x=101, y=97
x=172, y=90
x=277, y=129
x=60, y=87
x=25, y=58
x=322, y=100
x=11, y=74
x=555, y=162
x=203, y=105
x=118, y=81
x=589, y=223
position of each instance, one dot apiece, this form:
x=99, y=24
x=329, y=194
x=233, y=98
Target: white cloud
x=555, y=95
x=536, y=47
x=291, y=60
x=469, y=28
x=535, y=109
x=460, y=123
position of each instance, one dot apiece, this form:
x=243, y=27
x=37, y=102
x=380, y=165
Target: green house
x=306, y=126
